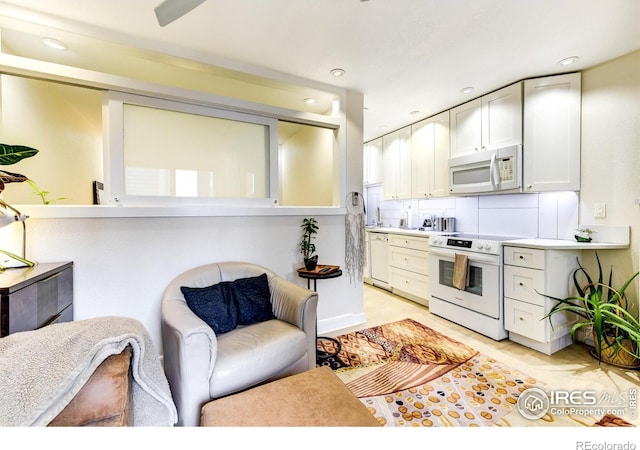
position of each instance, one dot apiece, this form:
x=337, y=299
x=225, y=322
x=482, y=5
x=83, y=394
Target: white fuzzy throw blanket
x=41, y=371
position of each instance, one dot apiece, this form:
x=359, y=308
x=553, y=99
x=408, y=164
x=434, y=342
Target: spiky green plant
x=602, y=309
x=309, y=229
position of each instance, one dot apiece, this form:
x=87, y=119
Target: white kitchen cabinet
x=409, y=267
x=379, y=261
x=552, y=133
x=372, y=162
x=396, y=164
x=430, y=157
x=529, y=273
x=486, y=123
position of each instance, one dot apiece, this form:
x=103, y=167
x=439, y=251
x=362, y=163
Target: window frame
x=114, y=170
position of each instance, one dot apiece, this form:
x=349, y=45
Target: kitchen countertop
x=614, y=237
x=565, y=244
x=405, y=231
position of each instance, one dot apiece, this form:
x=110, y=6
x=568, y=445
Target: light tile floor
x=572, y=368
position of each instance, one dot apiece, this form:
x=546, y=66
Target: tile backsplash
x=551, y=215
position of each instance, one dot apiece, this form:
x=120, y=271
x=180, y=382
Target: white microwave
x=490, y=171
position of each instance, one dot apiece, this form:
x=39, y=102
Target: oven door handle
x=493, y=260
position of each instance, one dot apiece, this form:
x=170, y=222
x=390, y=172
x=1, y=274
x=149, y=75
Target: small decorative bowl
x=582, y=238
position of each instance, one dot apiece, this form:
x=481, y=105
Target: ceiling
x=409, y=58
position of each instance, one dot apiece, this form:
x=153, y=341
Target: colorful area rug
x=410, y=375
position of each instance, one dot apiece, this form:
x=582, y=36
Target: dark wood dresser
x=34, y=297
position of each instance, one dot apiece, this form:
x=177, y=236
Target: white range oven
x=480, y=305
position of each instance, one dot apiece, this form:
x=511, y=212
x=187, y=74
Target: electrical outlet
x=599, y=210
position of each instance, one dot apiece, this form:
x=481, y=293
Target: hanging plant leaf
x=11, y=154
x=10, y=177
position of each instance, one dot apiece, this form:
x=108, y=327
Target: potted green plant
x=603, y=311
x=11, y=154
x=583, y=234
x=307, y=247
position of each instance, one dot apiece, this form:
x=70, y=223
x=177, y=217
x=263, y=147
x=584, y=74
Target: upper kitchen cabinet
x=372, y=162
x=552, y=133
x=430, y=157
x=396, y=164
x=488, y=122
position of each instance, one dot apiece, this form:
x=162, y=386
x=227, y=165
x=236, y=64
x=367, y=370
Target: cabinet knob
x=521, y=319
x=521, y=283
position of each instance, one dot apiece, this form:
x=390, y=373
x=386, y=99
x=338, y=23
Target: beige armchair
x=202, y=365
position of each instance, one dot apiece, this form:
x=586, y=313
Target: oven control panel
x=458, y=243
x=469, y=245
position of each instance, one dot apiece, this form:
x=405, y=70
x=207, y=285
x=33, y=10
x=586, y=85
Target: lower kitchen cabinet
x=528, y=274
x=409, y=267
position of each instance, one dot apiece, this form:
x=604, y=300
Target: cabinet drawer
x=524, y=257
x=410, y=282
x=525, y=319
x=41, y=303
x=521, y=283
x=408, y=259
x=412, y=242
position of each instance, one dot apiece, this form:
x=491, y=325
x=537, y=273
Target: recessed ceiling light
x=309, y=100
x=567, y=61
x=337, y=72
x=54, y=43
x=466, y=90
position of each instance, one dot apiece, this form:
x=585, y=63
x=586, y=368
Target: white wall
x=65, y=124
x=307, y=159
x=611, y=155
x=122, y=265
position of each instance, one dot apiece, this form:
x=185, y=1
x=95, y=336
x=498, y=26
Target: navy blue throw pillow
x=252, y=298
x=214, y=305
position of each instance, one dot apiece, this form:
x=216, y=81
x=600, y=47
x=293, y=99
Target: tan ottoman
x=309, y=399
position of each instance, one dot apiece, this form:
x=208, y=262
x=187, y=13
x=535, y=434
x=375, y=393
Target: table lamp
x=9, y=215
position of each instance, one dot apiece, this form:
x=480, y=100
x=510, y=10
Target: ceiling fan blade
x=171, y=10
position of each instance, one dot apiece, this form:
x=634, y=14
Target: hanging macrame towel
x=355, y=242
